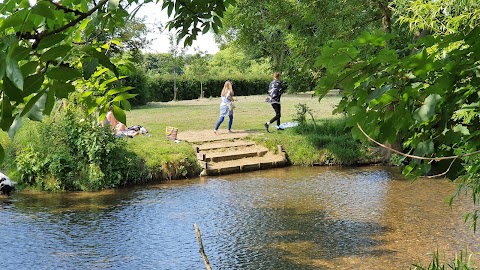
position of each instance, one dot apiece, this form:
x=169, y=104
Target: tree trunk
x=175, y=86
x=386, y=15
x=386, y=12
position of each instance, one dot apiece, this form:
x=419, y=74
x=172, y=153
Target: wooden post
x=202, y=251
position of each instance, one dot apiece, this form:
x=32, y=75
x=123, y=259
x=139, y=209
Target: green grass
x=202, y=114
x=326, y=144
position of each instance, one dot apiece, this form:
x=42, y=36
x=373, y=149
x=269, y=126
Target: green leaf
x=20, y=53
x=113, y=4
x=206, y=28
x=50, y=41
x=61, y=89
x=14, y=127
x=386, y=56
x=35, y=113
x=92, y=108
x=119, y=114
x=12, y=70
x=43, y=8
x=427, y=110
x=217, y=21
x=49, y=102
x=89, y=68
x=170, y=8
x=29, y=68
x=424, y=148
x=126, y=104
x=2, y=154
x=379, y=92
x=63, y=73
x=104, y=61
x=55, y=52
x=117, y=90
x=461, y=129
x=31, y=102
x=6, y=117
x=14, y=20
x=12, y=91
x=124, y=97
x=3, y=64
x=33, y=83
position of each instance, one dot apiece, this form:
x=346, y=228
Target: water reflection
x=291, y=218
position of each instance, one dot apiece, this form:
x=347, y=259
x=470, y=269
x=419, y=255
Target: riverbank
x=82, y=156
x=326, y=142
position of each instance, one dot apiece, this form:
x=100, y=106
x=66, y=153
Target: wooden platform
x=229, y=153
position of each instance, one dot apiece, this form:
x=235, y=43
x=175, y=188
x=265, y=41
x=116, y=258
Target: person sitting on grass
x=118, y=127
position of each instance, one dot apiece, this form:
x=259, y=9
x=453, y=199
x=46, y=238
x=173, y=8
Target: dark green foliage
x=139, y=82
x=159, y=88
x=72, y=152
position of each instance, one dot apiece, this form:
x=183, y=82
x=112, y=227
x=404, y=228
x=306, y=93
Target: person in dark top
x=275, y=91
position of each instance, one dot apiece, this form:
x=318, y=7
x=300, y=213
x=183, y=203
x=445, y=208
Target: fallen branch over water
x=202, y=251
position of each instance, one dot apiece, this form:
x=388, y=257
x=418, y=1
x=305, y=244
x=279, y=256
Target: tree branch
x=66, y=9
x=80, y=18
x=202, y=251
x=412, y=156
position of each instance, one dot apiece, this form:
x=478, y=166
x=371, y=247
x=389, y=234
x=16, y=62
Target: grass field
x=202, y=114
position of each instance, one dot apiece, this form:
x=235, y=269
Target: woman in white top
x=225, y=107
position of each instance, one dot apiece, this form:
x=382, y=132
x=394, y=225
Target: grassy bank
x=325, y=143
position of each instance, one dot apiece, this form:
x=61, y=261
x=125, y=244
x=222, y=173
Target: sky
x=154, y=15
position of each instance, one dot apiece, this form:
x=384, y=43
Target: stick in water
x=202, y=251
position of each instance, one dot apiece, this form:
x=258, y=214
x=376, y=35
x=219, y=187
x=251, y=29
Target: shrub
x=159, y=88
x=70, y=151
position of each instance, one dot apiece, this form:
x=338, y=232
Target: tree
x=198, y=68
x=229, y=61
x=45, y=53
x=290, y=33
x=176, y=52
x=425, y=95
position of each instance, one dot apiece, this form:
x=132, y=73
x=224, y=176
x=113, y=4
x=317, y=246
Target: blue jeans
x=220, y=121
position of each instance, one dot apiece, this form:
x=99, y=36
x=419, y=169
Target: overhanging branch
x=80, y=18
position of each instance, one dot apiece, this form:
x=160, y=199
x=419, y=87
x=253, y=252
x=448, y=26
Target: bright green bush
x=70, y=151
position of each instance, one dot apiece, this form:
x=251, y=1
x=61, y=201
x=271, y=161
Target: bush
x=140, y=87
x=159, y=88
x=70, y=151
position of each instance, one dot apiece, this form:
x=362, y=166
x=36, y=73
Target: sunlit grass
x=202, y=114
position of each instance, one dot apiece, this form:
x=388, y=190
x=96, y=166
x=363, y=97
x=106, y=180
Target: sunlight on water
x=291, y=218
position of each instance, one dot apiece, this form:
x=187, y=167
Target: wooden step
x=267, y=161
x=235, y=154
x=209, y=146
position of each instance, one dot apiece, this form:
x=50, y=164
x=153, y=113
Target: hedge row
x=160, y=88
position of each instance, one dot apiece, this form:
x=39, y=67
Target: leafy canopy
x=424, y=95
x=51, y=49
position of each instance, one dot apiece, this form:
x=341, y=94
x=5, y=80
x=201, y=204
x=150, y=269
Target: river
x=288, y=218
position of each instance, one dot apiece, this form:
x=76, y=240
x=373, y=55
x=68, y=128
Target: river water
x=288, y=218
